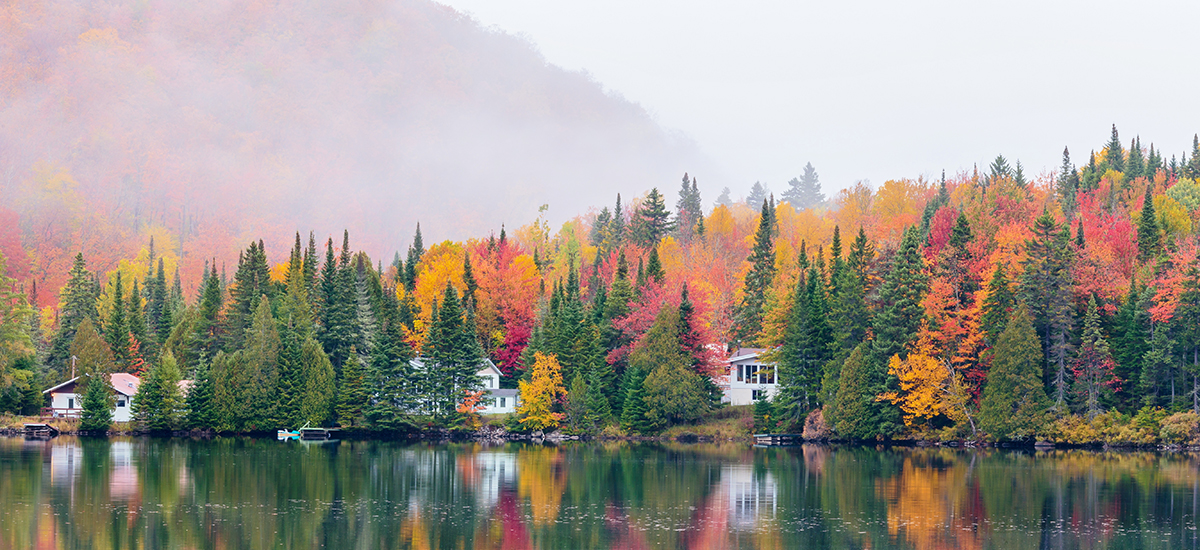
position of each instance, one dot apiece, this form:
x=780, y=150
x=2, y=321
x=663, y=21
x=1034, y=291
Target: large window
x=741, y=373
x=758, y=374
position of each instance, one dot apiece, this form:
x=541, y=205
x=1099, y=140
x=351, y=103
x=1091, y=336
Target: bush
x=1180, y=429
x=815, y=427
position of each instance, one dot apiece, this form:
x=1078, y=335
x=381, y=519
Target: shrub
x=1180, y=429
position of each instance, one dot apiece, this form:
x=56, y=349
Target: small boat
x=289, y=435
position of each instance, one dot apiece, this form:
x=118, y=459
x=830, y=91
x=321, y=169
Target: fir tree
x=1068, y=183
x=1014, y=403
x=1135, y=165
x=1157, y=364
x=1131, y=336
x=251, y=283
x=1193, y=164
x=805, y=191
x=633, y=414
x=688, y=209
x=1046, y=290
x=352, y=393
x=96, y=416
x=116, y=331
x=454, y=356
x=724, y=199
x=652, y=221
x=206, y=341
x=158, y=397
x=654, y=269
x=852, y=412
x=997, y=305
x=200, y=409
x=1094, y=365
x=1114, y=155
x=78, y=299
x=900, y=297
x=758, y=280
x=1149, y=236
x=758, y=195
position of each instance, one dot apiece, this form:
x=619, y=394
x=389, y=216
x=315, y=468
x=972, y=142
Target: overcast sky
x=880, y=89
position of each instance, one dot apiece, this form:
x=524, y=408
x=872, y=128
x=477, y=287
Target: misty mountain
x=237, y=118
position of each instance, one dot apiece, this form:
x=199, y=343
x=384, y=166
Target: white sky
x=880, y=89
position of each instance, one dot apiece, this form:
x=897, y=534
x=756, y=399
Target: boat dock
x=777, y=440
x=40, y=431
x=317, y=434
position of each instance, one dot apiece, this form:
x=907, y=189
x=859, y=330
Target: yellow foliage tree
x=538, y=395
x=923, y=382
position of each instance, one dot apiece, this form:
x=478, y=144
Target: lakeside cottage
x=66, y=399
x=750, y=378
x=498, y=400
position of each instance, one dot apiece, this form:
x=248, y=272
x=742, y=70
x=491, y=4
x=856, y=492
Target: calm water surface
x=254, y=493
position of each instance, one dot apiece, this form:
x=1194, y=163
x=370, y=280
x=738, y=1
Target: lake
x=259, y=493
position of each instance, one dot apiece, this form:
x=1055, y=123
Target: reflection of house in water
x=497, y=472
x=123, y=481
x=752, y=496
x=66, y=463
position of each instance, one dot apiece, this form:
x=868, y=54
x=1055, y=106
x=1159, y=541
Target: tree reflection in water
x=257, y=493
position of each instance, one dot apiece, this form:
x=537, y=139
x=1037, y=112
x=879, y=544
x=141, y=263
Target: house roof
x=122, y=382
x=484, y=366
x=503, y=392
x=743, y=354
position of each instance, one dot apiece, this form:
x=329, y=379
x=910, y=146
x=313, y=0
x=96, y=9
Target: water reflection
x=246, y=493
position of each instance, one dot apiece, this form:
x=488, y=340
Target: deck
x=777, y=440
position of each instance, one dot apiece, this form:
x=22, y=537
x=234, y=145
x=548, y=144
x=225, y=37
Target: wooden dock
x=777, y=440
x=317, y=434
x=40, y=431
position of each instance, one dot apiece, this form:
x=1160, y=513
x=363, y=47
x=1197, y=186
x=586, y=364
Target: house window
x=120, y=402
x=501, y=402
x=758, y=394
x=71, y=403
x=767, y=374
x=741, y=370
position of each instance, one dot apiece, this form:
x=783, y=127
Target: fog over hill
x=220, y=121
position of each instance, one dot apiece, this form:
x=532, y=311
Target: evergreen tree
x=1131, y=336
x=251, y=283
x=1154, y=163
x=724, y=199
x=319, y=390
x=454, y=356
x=116, y=331
x=158, y=398
x=137, y=323
x=654, y=269
x=1046, y=290
x=758, y=195
x=1094, y=365
x=1149, y=234
x=206, y=341
x=78, y=302
x=200, y=410
x=90, y=352
x=1014, y=403
x=1068, y=184
x=337, y=310
x=1135, y=165
x=1114, y=155
x=97, y=405
x=900, y=313
x=1193, y=164
x=758, y=280
x=1089, y=177
x=805, y=191
x=999, y=169
x=1156, y=385
x=352, y=393
x=633, y=414
x=652, y=221
x=997, y=305
x=852, y=412
x=688, y=209
x=673, y=393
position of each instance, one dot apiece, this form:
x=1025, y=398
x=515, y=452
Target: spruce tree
x=758, y=195
x=158, y=399
x=1193, y=163
x=724, y=199
x=453, y=356
x=78, y=302
x=1094, y=365
x=1068, y=183
x=251, y=283
x=852, y=412
x=805, y=191
x=654, y=268
x=997, y=305
x=116, y=330
x=633, y=414
x=1156, y=384
x=748, y=316
x=1046, y=290
x=96, y=417
x=199, y=404
x=352, y=393
x=1149, y=234
x=900, y=313
x=1114, y=155
x=1131, y=337
x=688, y=209
x=206, y=342
x=1014, y=403
x=1135, y=165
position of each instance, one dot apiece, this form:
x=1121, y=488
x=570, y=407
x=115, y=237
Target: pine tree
x=251, y=282
x=1149, y=235
x=1154, y=163
x=758, y=195
x=1014, y=403
x=724, y=199
x=758, y=280
x=688, y=209
x=97, y=405
x=805, y=191
x=454, y=356
x=654, y=269
x=158, y=397
x=900, y=297
x=206, y=341
x=1094, y=365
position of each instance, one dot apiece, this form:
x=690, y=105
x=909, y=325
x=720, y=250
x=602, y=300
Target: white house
x=498, y=400
x=750, y=378
x=66, y=401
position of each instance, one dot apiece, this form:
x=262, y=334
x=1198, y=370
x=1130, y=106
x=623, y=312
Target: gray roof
x=503, y=392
